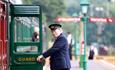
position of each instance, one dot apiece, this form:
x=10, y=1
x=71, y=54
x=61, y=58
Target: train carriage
x=3, y=36
x=17, y=49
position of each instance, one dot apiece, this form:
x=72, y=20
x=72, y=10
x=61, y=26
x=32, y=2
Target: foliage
x=109, y=33
x=66, y=8
x=112, y=9
x=72, y=6
x=27, y=1
x=107, y=36
x=51, y=8
x=91, y=33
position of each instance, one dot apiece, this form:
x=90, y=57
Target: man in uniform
x=59, y=53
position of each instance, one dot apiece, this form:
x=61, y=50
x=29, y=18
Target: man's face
x=56, y=32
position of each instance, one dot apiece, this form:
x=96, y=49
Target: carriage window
x=26, y=29
x=26, y=49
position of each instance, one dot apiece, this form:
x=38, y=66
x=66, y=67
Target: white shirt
x=69, y=38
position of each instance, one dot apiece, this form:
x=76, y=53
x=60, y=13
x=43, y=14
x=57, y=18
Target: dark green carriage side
x=23, y=51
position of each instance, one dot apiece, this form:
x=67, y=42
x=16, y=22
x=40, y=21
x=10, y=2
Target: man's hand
x=40, y=58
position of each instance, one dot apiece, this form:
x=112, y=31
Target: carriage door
x=3, y=37
x=25, y=37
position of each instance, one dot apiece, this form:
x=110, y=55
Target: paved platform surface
x=91, y=65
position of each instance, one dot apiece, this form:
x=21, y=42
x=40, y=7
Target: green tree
x=51, y=8
x=27, y=1
x=109, y=34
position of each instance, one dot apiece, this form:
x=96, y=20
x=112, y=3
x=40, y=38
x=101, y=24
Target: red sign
x=78, y=19
x=110, y=20
x=105, y=20
x=68, y=19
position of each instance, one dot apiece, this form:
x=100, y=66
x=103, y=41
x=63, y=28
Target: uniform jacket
x=59, y=54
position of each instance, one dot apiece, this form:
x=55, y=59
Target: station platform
x=91, y=65
x=74, y=66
